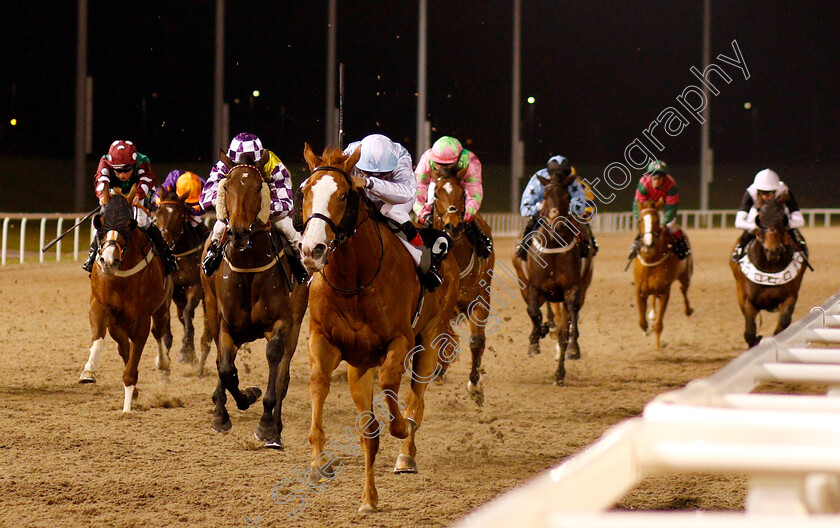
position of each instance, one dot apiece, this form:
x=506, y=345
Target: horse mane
x=333, y=156
x=772, y=212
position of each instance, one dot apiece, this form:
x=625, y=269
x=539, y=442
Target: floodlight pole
x=517, y=161
x=706, y=154
x=81, y=106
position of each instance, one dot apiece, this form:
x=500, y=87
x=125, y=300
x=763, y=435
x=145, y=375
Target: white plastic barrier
x=789, y=445
x=502, y=224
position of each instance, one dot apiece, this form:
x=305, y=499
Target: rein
x=350, y=291
x=668, y=251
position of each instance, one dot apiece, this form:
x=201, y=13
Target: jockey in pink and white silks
x=448, y=154
x=389, y=184
x=767, y=185
x=247, y=148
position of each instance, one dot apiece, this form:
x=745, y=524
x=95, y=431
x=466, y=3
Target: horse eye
x=343, y=197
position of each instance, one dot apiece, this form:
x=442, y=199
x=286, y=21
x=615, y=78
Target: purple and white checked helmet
x=244, y=144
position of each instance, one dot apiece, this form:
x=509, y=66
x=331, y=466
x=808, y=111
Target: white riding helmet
x=378, y=154
x=767, y=180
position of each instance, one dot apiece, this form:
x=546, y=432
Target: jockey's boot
x=590, y=239
x=432, y=280
x=799, y=241
x=522, y=247
x=634, y=247
x=286, y=226
x=94, y=249
x=213, y=258
x=170, y=265
x=740, y=249
x=680, y=245
x=482, y=243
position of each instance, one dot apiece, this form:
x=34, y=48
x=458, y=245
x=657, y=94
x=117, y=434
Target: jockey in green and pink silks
x=447, y=153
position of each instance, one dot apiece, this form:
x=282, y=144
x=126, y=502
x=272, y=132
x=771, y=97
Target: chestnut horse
x=252, y=295
x=186, y=242
x=448, y=207
x=768, y=277
x=655, y=268
x=555, y=272
x=129, y=292
x=363, y=310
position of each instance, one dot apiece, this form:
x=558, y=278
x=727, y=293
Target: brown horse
x=186, y=242
x=476, y=273
x=555, y=272
x=768, y=277
x=655, y=267
x=252, y=296
x=363, y=310
x=129, y=292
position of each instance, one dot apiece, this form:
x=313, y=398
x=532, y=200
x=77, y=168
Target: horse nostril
x=318, y=252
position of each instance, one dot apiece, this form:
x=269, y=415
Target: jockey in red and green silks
x=448, y=154
x=657, y=184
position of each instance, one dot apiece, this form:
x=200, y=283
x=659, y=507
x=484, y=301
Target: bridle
x=343, y=231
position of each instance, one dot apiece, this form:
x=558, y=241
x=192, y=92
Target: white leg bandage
x=95, y=349
x=129, y=393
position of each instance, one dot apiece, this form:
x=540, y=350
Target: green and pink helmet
x=446, y=150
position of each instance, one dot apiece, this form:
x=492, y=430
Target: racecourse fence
x=788, y=445
x=19, y=242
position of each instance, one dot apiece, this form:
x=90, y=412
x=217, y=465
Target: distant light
x=13, y=122
x=255, y=93
x=532, y=100
x=747, y=105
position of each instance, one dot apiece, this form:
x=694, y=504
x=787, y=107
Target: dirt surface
x=69, y=457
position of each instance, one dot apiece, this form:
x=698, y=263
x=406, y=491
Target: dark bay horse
x=129, y=293
x=555, y=272
x=768, y=277
x=364, y=297
x=186, y=242
x=476, y=274
x=654, y=269
x=252, y=295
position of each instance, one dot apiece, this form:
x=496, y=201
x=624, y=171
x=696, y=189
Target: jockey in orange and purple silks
x=447, y=153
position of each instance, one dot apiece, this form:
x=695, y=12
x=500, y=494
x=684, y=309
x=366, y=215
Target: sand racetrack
x=69, y=457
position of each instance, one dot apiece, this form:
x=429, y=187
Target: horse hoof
x=405, y=464
x=220, y=425
x=162, y=365
x=476, y=392
x=318, y=475
x=185, y=357
x=533, y=349
x=266, y=434
x=559, y=383
x=88, y=376
x=574, y=355
x=367, y=507
x=251, y=394
x=689, y=311
x=276, y=444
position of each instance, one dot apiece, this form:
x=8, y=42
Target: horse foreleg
x=685, y=281
x=138, y=341
x=324, y=357
x=750, y=313
x=562, y=332
x=785, y=314
x=572, y=304
x=641, y=303
x=98, y=315
x=361, y=389
x=229, y=374
x=537, y=330
x=390, y=375
x=477, y=341
x=661, y=304
x=162, y=333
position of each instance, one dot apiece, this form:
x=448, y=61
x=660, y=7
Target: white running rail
x=788, y=445
x=16, y=225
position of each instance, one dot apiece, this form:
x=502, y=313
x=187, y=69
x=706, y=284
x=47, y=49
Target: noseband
x=346, y=228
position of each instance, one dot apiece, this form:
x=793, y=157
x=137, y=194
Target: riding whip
x=62, y=235
x=341, y=105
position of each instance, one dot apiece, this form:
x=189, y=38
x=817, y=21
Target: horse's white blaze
x=648, y=236
x=316, y=229
x=129, y=393
x=447, y=186
x=95, y=349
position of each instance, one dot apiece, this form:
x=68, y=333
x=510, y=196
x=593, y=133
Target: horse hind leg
x=267, y=430
x=138, y=341
x=477, y=343
x=162, y=333
x=186, y=313
x=538, y=330
x=229, y=375
x=661, y=304
x=641, y=303
x=390, y=375
x=685, y=281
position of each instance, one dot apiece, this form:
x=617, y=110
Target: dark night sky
x=600, y=72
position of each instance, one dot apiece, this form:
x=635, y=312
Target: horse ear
x=782, y=198
x=659, y=203
x=263, y=161
x=97, y=222
x=225, y=159
x=543, y=181
x=462, y=172
x=131, y=224
x=131, y=194
x=352, y=160
x=183, y=197
x=310, y=157
x=758, y=220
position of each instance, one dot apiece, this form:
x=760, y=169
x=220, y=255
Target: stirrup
x=212, y=260
x=521, y=252
x=431, y=280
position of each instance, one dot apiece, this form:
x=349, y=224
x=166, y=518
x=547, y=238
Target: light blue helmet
x=378, y=154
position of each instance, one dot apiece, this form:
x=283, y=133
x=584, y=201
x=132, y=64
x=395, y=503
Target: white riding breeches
x=143, y=220
x=401, y=213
